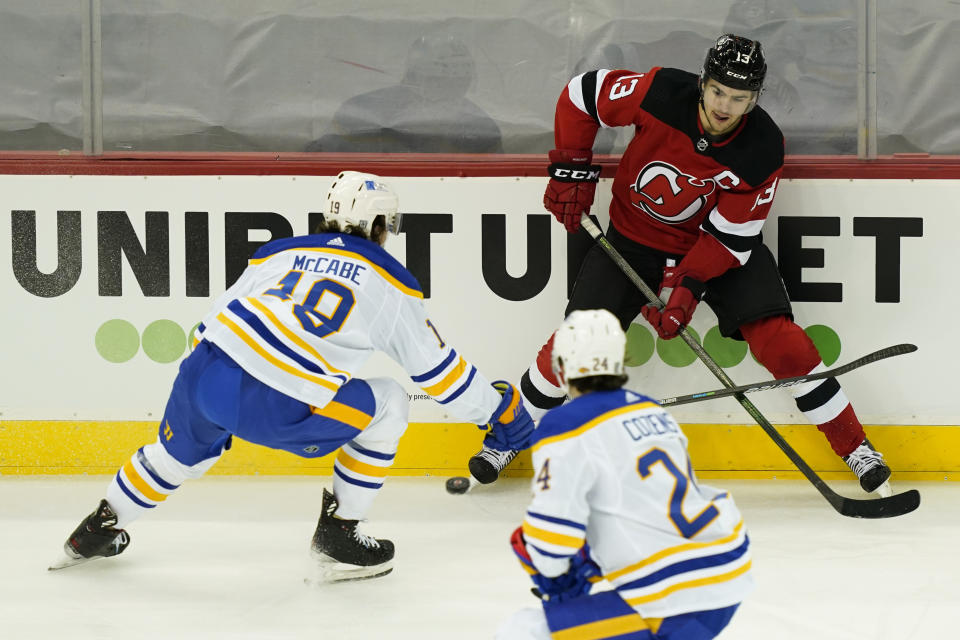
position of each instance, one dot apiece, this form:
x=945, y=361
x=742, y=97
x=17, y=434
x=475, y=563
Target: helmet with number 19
x=357, y=199
x=589, y=343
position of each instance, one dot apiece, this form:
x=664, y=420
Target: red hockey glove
x=573, y=182
x=679, y=308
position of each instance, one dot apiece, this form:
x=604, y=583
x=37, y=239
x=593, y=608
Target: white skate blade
x=65, y=561
x=326, y=570
x=884, y=490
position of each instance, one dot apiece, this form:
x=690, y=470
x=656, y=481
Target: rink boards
x=717, y=450
x=106, y=276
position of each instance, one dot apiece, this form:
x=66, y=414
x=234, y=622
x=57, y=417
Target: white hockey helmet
x=588, y=343
x=357, y=199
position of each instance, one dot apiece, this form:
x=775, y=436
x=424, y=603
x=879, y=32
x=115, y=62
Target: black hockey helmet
x=736, y=62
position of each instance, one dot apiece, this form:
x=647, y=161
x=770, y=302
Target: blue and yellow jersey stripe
x=553, y=536
x=277, y=324
x=449, y=379
x=708, y=581
x=688, y=549
x=269, y=357
x=250, y=328
x=630, y=626
x=555, y=428
x=344, y=413
x=602, y=616
x=198, y=335
x=684, y=567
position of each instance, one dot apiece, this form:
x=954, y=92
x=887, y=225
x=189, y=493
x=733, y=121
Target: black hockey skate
x=487, y=464
x=343, y=553
x=868, y=464
x=96, y=537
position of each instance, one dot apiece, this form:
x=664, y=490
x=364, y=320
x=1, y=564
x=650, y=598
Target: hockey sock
x=362, y=464
x=358, y=474
x=844, y=431
x=786, y=351
x=539, y=386
x=146, y=479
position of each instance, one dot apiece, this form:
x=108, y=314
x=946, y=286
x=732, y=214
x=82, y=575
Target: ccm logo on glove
x=574, y=174
x=570, y=191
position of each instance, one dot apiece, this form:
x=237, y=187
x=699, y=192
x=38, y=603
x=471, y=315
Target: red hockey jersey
x=675, y=181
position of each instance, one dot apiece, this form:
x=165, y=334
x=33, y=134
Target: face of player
x=723, y=107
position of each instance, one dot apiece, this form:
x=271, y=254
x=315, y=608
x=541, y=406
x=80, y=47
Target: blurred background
x=847, y=77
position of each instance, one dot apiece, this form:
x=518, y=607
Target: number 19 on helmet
x=357, y=199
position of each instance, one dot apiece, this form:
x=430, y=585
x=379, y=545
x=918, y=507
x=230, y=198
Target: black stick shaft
x=881, y=354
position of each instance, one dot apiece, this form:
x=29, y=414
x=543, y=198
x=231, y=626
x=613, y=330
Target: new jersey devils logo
x=669, y=195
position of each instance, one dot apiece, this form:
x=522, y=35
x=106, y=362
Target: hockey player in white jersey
x=274, y=364
x=615, y=496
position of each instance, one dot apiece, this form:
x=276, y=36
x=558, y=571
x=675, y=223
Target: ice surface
x=226, y=557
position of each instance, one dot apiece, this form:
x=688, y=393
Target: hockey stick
x=459, y=485
x=888, y=352
x=464, y=484
x=888, y=507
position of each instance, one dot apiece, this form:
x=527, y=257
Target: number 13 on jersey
x=624, y=86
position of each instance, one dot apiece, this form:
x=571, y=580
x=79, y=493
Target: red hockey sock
x=786, y=351
x=844, y=432
x=544, y=364
x=780, y=345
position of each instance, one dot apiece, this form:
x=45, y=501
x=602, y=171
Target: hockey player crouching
x=615, y=496
x=691, y=195
x=274, y=365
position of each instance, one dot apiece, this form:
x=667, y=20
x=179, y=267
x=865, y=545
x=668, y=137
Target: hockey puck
x=458, y=485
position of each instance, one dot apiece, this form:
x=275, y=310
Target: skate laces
x=863, y=459
x=367, y=541
x=499, y=459
x=104, y=517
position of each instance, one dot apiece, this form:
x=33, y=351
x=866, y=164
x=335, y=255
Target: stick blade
x=895, y=505
x=886, y=352
x=905, y=348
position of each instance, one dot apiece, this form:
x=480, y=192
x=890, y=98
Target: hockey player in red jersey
x=690, y=197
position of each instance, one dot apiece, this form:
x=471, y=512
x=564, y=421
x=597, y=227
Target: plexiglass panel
x=465, y=77
x=42, y=71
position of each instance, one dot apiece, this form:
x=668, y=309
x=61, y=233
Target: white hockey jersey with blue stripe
x=611, y=468
x=310, y=310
